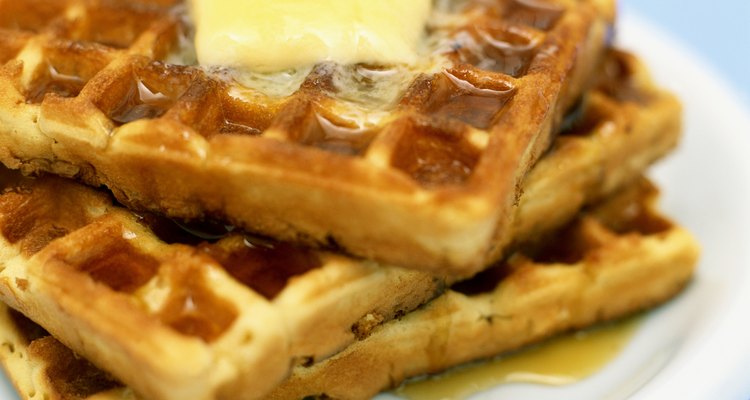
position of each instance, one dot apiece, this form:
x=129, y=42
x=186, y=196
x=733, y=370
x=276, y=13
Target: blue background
x=717, y=30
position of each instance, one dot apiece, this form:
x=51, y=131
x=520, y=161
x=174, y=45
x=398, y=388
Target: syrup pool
x=560, y=361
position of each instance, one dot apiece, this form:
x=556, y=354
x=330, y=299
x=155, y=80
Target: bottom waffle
x=563, y=282
x=616, y=259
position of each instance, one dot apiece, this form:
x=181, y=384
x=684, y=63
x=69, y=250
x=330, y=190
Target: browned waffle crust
x=622, y=246
x=64, y=244
x=92, y=89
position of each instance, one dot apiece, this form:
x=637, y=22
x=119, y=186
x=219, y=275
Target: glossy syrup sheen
x=264, y=265
x=458, y=98
x=53, y=81
x=141, y=102
x=561, y=361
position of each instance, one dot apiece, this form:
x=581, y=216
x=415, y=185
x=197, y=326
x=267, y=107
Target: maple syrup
x=457, y=97
x=340, y=139
x=263, y=265
x=120, y=265
x=561, y=361
x=141, y=103
x=54, y=81
x=435, y=156
x=507, y=50
x=194, y=310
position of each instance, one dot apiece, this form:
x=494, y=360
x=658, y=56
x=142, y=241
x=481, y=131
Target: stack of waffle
x=243, y=241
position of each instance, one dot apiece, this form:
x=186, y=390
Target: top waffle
x=417, y=166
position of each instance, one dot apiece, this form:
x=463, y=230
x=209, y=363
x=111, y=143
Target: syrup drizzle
x=560, y=361
x=141, y=102
x=462, y=100
x=509, y=52
x=120, y=266
x=53, y=81
x=194, y=310
x=342, y=139
x=265, y=266
x=436, y=156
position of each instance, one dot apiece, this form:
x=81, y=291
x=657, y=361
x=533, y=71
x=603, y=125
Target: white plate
x=697, y=347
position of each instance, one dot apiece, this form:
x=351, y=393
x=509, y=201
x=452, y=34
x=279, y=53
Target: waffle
x=296, y=305
x=623, y=246
x=565, y=282
x=415, y=166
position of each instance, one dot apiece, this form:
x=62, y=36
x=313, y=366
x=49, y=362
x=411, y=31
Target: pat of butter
x=274, y=35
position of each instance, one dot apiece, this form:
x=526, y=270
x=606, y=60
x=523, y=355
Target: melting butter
x=277, y=35
x=560, y=361
x=274, y=84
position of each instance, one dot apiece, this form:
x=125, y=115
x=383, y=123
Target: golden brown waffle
x=417, y=168
x=567, y=282
x=64, y=244
x=622, y=246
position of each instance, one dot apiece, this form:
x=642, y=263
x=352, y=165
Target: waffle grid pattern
x=91, y=89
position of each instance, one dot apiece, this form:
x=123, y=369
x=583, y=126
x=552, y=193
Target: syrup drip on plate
x=561, y=361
